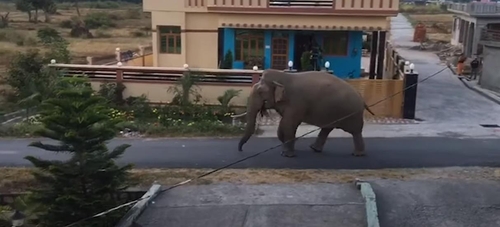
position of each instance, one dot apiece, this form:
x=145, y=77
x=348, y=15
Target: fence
x=142, y=56
x=399, y=69
x=155, y=82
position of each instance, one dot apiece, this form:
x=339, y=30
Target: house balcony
x=476, y=9
x=490, y=37
x=386, y=8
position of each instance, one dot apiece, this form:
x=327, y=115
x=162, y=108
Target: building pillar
x=291, y=48
x=469, y=41
x=228, y=43
x=381, y=54
x=268, y=39
x=373, y=55
x=461, y=36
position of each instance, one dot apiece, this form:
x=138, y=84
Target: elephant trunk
x=250, y=127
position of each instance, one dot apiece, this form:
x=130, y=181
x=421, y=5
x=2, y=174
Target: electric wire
x=248, y=157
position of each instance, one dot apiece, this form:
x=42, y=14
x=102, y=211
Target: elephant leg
x=281, y=135
x=289, y=129
x=359, y=144
x=318, y=145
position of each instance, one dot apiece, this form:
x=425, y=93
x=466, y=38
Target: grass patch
x=426, y=9
x=192, y=129
x=121, y=20
x=14, y=179
x=438, y=26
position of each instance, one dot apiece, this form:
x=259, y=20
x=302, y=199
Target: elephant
x=314, y=97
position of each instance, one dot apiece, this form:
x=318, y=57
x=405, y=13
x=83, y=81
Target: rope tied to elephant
x=248, y=157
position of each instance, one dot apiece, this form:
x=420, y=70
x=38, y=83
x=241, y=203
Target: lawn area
x=128, y=28
x=19, y=179
x=438, y=25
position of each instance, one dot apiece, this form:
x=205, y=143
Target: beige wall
x=372, y=91
x=199, y=36
x=158, y=92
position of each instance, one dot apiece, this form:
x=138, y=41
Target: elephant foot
x=315, y=149
x=358, y=153
x=288, y=154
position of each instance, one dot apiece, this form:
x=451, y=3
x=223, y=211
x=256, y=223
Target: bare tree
x=4, y=20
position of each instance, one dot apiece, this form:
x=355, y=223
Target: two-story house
x=267, y=33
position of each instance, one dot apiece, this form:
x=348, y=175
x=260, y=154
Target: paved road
x=212, y=153
x=443, y=98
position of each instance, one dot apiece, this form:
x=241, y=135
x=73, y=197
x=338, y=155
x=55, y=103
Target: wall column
x=291, y=47
x=461, y=35
x=373, y=54
x=229, y=42
x=381, y=55
x=468, y=40
x=268, y=36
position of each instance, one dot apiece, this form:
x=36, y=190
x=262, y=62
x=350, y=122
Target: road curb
x=482, y=93
x=370, y=203
x=131, y=216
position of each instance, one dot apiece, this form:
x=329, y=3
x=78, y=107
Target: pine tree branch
x=118, y=151
x=49, y=147
x=42, y=164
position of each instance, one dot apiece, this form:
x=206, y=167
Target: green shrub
x=66, y=24
x=98, y=19
x=22, y=129
x=48, y=35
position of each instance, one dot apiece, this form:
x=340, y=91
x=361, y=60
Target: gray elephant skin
x=316, y=98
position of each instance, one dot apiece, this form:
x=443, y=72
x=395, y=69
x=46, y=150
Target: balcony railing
x=476, y=8
x=490, y=35
x=295, y=6
x=302, y=3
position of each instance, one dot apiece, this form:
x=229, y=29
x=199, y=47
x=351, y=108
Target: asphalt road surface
x=212, y=153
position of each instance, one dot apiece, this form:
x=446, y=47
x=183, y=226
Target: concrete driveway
x=443, y=98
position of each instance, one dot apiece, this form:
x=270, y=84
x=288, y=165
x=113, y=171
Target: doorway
x=279, y=53
x=302, y=41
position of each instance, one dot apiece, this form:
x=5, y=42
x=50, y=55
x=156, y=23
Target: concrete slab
x=289, y=205
x=438, y=203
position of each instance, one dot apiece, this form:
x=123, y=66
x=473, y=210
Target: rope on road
x=250, y=156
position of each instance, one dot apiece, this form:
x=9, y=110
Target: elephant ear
x=279, y=92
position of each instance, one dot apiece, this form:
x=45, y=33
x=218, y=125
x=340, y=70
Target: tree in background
x=48, y=6
x=4, y=20
x=28, y=76
x=25, y=6
x=86, y=183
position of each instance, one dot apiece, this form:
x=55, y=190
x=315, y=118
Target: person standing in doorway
x=315, y=54
x=460, y=64
x=474, y=68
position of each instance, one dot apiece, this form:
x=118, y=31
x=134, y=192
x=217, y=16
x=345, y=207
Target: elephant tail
x=367, y=108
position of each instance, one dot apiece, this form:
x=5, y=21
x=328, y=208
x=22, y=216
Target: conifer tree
x=86, y=183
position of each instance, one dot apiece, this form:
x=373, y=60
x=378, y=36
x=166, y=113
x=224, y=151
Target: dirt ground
x=438, y=25
x=120, y=36
x=20, y=179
